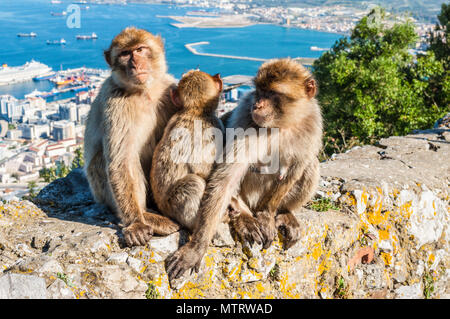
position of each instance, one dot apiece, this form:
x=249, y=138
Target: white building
x=68, y=112
x=63, y=129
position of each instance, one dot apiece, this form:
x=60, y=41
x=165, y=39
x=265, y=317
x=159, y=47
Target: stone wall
x=378, y=228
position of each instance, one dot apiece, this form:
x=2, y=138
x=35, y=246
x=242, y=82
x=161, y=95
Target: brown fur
x=124, y=124
x=284, y=99
x=177, y=184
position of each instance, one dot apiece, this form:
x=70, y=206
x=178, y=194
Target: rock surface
x=382, y=232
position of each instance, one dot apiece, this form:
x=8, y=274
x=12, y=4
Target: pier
x=191, y=48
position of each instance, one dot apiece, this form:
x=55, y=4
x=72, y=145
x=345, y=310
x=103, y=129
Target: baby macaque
x=184, y=157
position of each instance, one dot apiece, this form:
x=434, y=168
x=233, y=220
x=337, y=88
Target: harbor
x=43, y=82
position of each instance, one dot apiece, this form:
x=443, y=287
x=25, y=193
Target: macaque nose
x=258, y=105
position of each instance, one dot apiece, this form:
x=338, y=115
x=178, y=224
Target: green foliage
x=275, y=272
x=322, y=205
x=151, y=292
x=372, y=87
x=428, y=284
x=62, y=170
x=342, y=289
x=439, y=45
x=32, y=189
x=64, y=278
x=440, y=39
x=78, y=161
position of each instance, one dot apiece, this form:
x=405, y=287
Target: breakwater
x=193, y=50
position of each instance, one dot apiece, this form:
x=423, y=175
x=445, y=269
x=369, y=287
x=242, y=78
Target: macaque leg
x=95, y=170
x=243, y=223
x=184, y=200
x=130, y=198
x=303, y=190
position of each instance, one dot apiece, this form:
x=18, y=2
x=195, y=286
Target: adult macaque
x=262, y=199
x=125, y=122
x=178, y=174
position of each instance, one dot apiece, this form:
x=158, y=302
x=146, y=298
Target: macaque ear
x=311, y=88
x=175, y=97
x=107, y=55
x=219, y=82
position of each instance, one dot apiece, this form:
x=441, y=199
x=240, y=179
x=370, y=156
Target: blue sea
x=25, y=16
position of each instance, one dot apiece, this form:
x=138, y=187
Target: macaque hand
x=188, y=257
x=137, y=234
x=247, y=228
x=267, y=227
x=289, y=228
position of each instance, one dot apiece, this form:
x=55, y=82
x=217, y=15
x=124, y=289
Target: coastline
x=229, y=21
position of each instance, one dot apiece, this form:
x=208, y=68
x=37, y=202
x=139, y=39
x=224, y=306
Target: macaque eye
x=142, y=50
x=124, y=53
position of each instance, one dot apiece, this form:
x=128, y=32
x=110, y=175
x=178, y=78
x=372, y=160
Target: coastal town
x=38, y=134
x=336, y=18
x=45, y=130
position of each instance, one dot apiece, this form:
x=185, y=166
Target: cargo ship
x=60, y=42
x=26, y=35
x=93, y=36
x=26, y=72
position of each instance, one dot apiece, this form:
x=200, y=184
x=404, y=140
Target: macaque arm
x=272, y=199
x=124, y=186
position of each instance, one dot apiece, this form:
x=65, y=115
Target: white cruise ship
x=10, y=75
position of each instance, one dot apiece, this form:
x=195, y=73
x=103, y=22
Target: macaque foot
x=188, y=257
x=247, y=228
x=267, y=228
x=137, y=234
x=289, y=228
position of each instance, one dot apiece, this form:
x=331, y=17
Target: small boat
x=93, y=36
x=58, y=14
x=24, y=35
x=60, y=42
x=55, y=2
x=314, y=48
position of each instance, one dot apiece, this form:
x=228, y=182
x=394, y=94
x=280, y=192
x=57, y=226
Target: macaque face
x=136, y=58
x=269, y=107
x=135, y=63
x=283, y=87
x=263, y=109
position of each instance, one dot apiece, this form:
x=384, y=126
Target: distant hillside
x=420, y=9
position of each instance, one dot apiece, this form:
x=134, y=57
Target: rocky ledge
x=378, y=228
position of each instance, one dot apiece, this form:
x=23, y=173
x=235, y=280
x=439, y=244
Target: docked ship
x=10, y=75
x=25, y=35
x=44, y=77
x=62, y=81
x=93, y=36
x=60, y=42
